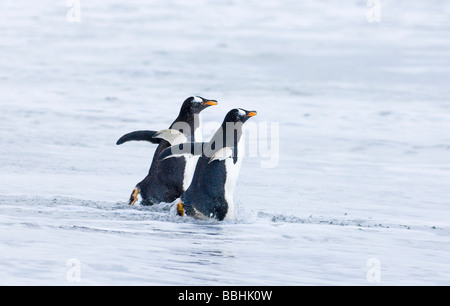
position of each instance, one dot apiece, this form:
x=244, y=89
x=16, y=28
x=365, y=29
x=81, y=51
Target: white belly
x=230, y=183
x=191, y=163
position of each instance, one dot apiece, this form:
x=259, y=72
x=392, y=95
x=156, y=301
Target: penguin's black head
x=239, y=115
x=196, y=104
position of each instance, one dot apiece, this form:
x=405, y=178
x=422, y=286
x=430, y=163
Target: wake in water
x=40, y=211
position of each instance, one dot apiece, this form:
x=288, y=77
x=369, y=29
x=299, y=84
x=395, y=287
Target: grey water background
x=364, y=151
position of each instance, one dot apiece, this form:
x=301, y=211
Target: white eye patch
x=197, y=99
x=241, y=112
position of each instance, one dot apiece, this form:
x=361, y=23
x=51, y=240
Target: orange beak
x=211, y=102
x=251, y=114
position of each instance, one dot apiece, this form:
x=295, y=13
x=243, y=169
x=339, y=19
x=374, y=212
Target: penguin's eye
x=241, y=112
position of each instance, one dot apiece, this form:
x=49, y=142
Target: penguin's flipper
x=139, y=136
x=222, y=154
x=183, y=149
x=174, y=137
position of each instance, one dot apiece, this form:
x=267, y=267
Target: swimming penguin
x=210, y=195
x=167, y=179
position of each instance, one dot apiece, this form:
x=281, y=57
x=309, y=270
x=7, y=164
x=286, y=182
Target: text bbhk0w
x=231, y=295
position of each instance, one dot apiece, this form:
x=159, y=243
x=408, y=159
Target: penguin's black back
x=164, y=182
x=207, y=189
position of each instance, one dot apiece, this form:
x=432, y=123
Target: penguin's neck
x=229, y=134
x=193, y=120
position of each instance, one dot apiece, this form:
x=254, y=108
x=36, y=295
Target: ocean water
x=358, y=192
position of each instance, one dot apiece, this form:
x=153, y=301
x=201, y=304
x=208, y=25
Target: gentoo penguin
x=210, y=195
x=167, y=179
